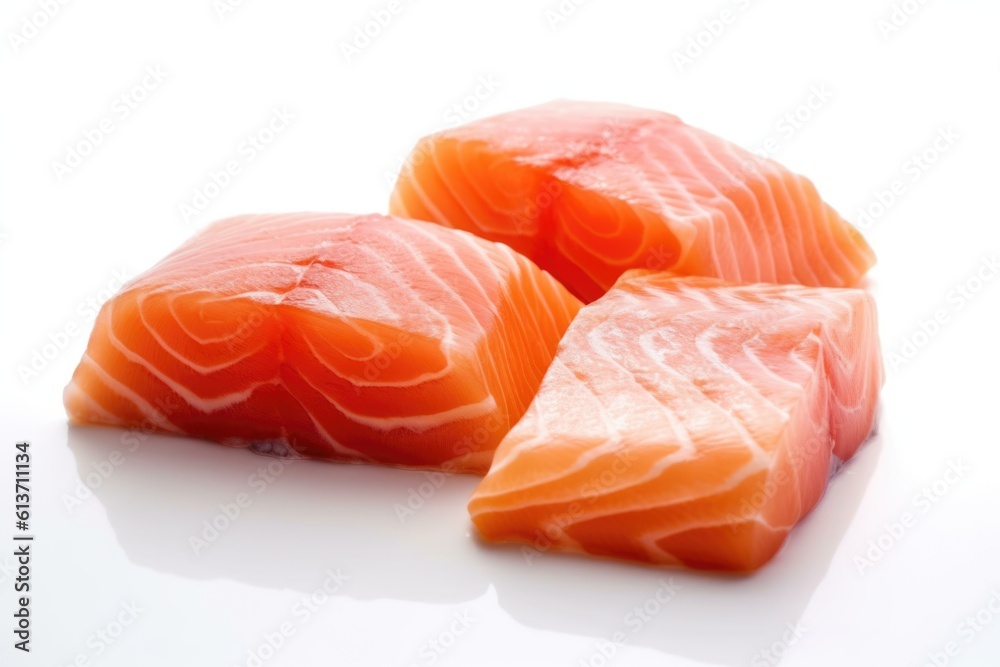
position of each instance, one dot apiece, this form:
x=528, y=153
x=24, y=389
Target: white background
x=888, y=95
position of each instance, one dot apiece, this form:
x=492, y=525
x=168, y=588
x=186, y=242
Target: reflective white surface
x=424, y=590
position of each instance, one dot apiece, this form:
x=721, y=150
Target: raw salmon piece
x=342, y=337
x=687, y=421
x=588, y=190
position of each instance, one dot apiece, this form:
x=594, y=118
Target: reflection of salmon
x=688, y=421
x=341, y=337
x=589, y=190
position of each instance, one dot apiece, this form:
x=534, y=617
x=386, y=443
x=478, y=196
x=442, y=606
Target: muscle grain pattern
x=688, y=421
x=363, y=338
x=590, y=190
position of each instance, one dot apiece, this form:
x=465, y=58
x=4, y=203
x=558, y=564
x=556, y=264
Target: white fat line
x=775, y=222
x=480, y=197
x=831, y=217
x=788, y=183
x=335, y=445
x=334, y=313
x=650, y=539
x=144, y=406
x=731, y=213
x=97, y=410
x=767, y=370
x=417, y=423
x=611, y=445
x=697, y=206
x=206, y=405
x=444, y=329
x=704, y=342
x=772, y=180
x=428, y=203
x=735, y=479
x=360, y=382
x=200, y=368
x=456, y=298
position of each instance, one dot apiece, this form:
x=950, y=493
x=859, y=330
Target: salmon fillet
x=687, y=421
x=341, y=337
x=589, y=190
